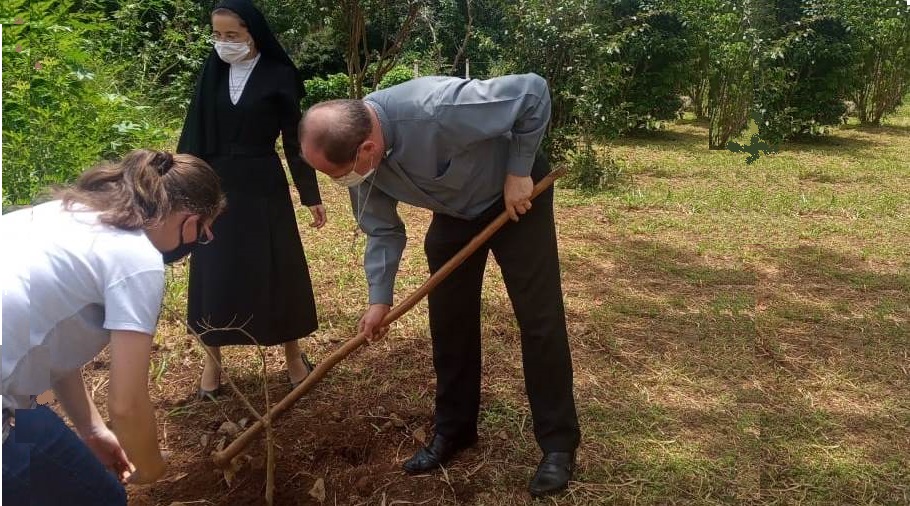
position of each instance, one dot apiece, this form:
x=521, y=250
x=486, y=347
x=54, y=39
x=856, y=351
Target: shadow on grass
x=743, y=452
x=896, y=130
x=773, y=388
x=699, y=122
x=655, y=296
x=688, y=392
x=831, y=144
x=833, y=270
x=691, y=139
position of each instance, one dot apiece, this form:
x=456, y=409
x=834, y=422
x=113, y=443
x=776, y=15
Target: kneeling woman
x=78, y=274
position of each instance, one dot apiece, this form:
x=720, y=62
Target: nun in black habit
x=255, y=274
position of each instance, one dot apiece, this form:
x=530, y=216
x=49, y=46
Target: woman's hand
x=105, y=445
x=148, y=475
x=318, y=213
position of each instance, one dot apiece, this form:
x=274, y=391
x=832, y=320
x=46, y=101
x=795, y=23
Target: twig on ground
x=269, y=436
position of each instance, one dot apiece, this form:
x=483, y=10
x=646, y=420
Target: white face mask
x=352, y=178
x=232, y=52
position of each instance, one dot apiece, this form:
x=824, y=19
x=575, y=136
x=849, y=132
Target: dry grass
x=740, y=336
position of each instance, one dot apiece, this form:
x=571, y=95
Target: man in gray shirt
x=466, y=150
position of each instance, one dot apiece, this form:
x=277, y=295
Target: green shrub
x=650, y=56
x=559, y=144
x=805, y=71
x=330, y=87
x=722, y=63
x=591, y=171
x=158, y=47
x=880, y=70
x=305, y=30
x=398, y=75
x=612, y=66
x=62, y=108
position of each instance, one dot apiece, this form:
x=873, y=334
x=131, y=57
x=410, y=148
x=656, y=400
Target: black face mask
x=183, y=249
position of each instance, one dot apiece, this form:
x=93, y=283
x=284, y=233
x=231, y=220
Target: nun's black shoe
x=309, y=370
x=208, y=395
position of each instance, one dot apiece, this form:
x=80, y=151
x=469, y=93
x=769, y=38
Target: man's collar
x=388, y=135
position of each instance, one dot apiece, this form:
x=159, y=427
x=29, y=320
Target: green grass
x=740, y=333
x=784, y=283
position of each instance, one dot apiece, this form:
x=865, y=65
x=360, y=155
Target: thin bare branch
x=430, y=26
x=269, y=435
x=389, y=58
x=467, y=37
x=224, y=374
x=266, y=421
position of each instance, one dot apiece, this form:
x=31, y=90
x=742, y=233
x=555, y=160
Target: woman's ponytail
x=143, y=188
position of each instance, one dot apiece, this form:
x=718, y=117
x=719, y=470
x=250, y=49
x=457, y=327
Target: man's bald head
x=336, y=128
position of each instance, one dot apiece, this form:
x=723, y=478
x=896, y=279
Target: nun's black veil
x=198, y=135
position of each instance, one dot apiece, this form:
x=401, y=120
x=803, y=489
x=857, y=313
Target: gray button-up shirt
x=449, y=144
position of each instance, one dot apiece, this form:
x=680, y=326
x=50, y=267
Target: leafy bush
x=613, y=66
x=157, y=48
x=880, y=69
x=559, y=143
x=650, y=54
x=805, y=71
x=555, y=39
x=398, y=75
x=62, y=108
x=590, y=171
x=730, y=77
x=301, y=27
x=331, y=87
x=722, y=63
x=317, y=53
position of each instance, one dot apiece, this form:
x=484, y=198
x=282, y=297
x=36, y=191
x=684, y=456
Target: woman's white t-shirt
x=68, y=281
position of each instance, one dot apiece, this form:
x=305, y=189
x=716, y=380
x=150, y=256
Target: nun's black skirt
x=254, y=273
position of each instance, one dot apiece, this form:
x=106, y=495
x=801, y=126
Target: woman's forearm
x=77, y=403
x=133, y=422
x=132, y=414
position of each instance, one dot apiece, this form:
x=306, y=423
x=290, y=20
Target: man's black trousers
x=527, y=255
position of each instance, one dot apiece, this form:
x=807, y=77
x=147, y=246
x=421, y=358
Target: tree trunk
x=729, y=110
x=358, y=55
x=698, y=92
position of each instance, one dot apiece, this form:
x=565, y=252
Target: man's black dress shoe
x=553, y=473
x=440, y=450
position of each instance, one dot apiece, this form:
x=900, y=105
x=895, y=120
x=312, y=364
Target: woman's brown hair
x=146, y=186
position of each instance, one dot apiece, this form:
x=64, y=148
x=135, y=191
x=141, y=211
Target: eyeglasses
x=204, y=232
x=228, y=37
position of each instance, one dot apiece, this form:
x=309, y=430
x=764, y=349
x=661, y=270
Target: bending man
x=466, y=150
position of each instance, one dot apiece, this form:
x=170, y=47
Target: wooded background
x=90, y=79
